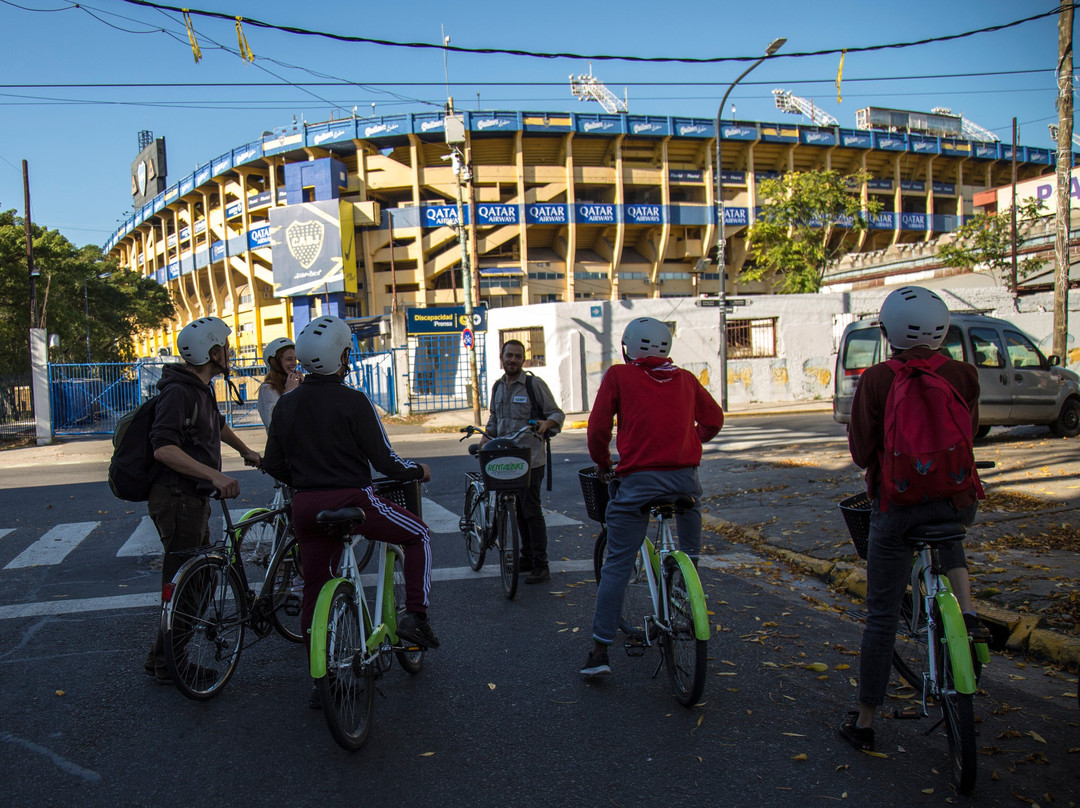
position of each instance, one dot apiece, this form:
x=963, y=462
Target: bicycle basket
x=595, y=493
x=505, y=469
x=404, y=494
x=856, y=511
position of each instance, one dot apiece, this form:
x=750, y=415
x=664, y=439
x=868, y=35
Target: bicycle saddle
x=937, y=532
x=340, y=516
x=680, y=502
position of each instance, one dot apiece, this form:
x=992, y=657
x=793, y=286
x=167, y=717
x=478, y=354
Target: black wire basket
x=405, y=494
x=856, y=511
x=595, y=493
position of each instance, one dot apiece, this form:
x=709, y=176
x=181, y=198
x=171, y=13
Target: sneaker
x=975, y=627
x=862, y=738
x=416, y=629
x=538, y=575
x=315, y=699
x=596, y=664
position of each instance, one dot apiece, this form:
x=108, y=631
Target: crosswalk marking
x=5, y=530
x=53, y=547
x=143, y=542
x=439, y=519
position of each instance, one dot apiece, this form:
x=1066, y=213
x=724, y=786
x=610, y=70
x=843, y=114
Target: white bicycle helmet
x=197, y=338
x=913, y=316
x=320, y=345
x=272, y=348
x=646, y=336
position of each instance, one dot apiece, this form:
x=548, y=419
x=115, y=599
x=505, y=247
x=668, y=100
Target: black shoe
x=597, y=664
x=975, y=627
x=538, y=575
x=862, y=738
x=416, y=629
x=315, y=699
x=195, y=675
x=151, y=666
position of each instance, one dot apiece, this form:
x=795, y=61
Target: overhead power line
x=442, y=46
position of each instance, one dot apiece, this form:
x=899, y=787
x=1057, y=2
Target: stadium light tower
x=721, y=241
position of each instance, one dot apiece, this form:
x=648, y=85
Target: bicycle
x=664, y=604
x=350, y=650
x=209, y=603
x=504, y=474
x=934, y=653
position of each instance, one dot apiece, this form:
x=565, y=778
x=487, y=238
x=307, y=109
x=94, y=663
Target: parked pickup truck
x=1018, y=384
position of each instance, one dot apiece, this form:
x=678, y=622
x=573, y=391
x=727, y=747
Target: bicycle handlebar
x=472, y=429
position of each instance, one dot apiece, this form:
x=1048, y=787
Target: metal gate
x=439, y=378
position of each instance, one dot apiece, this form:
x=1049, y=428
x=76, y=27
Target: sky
x=79, y=140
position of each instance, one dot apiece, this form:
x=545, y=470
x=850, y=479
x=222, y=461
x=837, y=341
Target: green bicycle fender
x=956, y=635
x=389, y=615
x=697, y=594
x=318, y=627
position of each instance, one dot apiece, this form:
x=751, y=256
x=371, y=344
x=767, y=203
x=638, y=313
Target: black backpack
x=131, y=470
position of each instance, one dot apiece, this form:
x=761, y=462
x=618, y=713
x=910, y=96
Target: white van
x=1018, y=384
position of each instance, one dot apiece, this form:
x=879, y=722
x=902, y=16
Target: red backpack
x=928, y=450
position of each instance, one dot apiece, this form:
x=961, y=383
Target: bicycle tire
x=474, y=533
x=410, y=661
x=958, y=714
x=685, y=656
x=284, y=587
x=204, y=627
x=599, y=553
x=258, y=540
x=347, y=690
x=509, y=548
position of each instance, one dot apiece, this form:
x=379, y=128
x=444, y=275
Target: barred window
x=532, y=339
x=751, y=339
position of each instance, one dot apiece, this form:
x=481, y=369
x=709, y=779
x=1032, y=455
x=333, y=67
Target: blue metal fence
x=439, y=378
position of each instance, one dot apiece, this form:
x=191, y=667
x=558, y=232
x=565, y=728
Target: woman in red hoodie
x=664, y=416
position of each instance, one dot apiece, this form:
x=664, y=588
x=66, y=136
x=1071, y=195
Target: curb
x=1020, y=631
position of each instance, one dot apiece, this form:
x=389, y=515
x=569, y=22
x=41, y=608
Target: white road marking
x=439, y=519
x=5, y=530
x=53, y=547
x=143, y=542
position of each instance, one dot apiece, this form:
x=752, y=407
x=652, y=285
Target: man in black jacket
x=322, y=441
x=188, y=454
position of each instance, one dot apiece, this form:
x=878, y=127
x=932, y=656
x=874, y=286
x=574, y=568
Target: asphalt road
x=499, y=715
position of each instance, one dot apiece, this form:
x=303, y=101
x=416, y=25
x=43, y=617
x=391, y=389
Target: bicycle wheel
x=364, y=548
x=411, y=661
x=509, y=548
x=205, y=624
x=637, y=600
x=285, y=588
x=911, y=657
x=258, y=540
x=347, y=690
x=474, y=525
x=599, y=552
x=958, y=713
x=685, y=656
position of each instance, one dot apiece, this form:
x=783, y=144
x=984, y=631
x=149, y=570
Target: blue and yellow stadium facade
x=559, y=207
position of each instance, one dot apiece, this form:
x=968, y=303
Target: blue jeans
x=888, y=570
x=626, y=526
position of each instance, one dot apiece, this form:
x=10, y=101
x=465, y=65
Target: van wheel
x=982, y=432
x=1067, y=424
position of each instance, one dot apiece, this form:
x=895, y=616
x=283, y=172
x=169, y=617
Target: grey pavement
x=783, y=502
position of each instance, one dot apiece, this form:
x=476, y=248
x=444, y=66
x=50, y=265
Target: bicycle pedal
x=292, y=606
x=907, y=715
x=635, y=646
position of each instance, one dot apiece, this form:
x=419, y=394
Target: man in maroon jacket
x=915, y=322
x=664, y=416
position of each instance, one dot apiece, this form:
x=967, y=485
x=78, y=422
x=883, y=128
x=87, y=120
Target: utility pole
x=29, y=246
x=1064, y=179
x=1013, y=279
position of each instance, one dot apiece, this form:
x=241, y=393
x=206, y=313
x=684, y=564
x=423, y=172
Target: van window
x=989, y=352
x=862, y=350
x=1022, y=354
x=954, y=344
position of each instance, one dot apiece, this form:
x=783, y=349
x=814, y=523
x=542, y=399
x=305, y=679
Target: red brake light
x=167, y=592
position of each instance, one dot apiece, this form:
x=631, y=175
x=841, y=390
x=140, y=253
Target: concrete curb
x=1020, y=632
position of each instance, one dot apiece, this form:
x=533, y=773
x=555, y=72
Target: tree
x=78, y=289
x=985, y=240
x=807, y=220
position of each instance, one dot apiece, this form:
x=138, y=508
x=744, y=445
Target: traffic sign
x=714, y=302
x=467, y=338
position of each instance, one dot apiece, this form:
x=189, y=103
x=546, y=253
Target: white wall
x=582, y=339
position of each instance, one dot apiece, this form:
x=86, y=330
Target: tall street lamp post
x=721, y=241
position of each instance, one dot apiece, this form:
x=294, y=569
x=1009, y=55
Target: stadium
x=357, y=217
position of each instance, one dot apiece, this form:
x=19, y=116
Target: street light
x=721, y=241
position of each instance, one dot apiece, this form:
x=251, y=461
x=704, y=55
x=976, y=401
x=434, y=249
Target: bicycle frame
x=658, y=585
x=377, y=639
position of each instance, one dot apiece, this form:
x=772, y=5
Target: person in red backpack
x=915, y=321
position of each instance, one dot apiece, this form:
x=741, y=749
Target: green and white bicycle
x=664, y=603
x=352, y=644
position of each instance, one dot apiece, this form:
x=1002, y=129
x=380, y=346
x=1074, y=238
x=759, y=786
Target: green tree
x=78, y=289
x=807, y=220
x=985, y=241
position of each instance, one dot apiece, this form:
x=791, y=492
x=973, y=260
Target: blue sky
x=80, y=141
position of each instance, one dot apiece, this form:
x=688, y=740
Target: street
x=499, y=715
